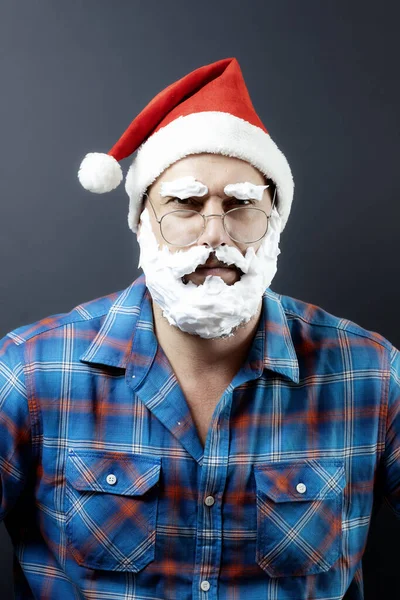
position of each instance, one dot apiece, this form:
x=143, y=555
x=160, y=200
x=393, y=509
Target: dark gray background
x=323, y=77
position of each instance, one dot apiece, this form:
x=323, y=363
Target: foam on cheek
x=245, y=191
x=183, y=188
x=178, y=263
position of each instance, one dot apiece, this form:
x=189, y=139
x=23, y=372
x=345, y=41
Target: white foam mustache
x=186, y=262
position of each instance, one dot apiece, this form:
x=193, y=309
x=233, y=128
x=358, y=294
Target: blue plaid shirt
x=108, y=493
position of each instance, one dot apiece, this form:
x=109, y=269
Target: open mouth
x=216, y=270
x=228, y=273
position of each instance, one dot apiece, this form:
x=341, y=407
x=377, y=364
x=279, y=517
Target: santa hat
x=208, y=110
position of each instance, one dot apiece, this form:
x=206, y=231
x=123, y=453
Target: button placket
x=209, y=522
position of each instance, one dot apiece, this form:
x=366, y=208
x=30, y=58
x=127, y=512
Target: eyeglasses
x=183, y=227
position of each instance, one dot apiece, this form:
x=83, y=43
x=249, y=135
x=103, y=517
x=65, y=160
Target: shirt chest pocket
x=111, y=509
x=299, y=516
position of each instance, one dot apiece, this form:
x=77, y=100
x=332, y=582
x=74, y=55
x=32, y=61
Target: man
x=197, y=435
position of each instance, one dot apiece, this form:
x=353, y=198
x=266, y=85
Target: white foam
x=183, y=188
x=212, y=309
x=245, y=191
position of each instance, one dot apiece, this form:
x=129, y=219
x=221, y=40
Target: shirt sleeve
x=15, y=428
x=391, y=457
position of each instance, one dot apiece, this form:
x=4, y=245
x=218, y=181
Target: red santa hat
x=208, y=110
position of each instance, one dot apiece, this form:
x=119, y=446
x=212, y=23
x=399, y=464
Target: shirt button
x=301, y=488
x=111, y=479
x=209, y=501
x=205, y=586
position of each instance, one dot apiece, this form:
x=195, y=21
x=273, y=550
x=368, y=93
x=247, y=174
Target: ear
x=142, y=207
x=272, y=191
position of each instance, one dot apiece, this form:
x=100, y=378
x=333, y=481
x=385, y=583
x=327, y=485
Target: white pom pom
x=99, y=172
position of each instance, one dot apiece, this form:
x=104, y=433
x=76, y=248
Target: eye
x=189, y=202
x=235, y=203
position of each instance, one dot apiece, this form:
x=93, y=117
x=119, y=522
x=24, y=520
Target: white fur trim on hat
x=216, y=133
x=99, y=172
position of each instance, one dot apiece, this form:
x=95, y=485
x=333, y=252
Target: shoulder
x=318, y=322
x=81, y=315
x=65, y=336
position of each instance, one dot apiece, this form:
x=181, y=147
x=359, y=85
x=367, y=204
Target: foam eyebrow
x=245, y=190
x=183, y=188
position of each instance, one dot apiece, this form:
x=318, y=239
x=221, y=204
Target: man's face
x=215, y=172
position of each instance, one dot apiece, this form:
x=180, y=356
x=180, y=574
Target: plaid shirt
x=108, y=493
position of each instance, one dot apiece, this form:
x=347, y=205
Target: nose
x=214, y=234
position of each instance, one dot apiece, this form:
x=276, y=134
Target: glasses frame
x=205, y=217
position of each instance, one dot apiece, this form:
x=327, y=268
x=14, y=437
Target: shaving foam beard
x=212, y=309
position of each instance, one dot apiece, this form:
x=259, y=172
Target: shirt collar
x=279, y=352
x=114, y=341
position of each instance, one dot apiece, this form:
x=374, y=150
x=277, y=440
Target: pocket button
x=111, y=479
x=301, y=488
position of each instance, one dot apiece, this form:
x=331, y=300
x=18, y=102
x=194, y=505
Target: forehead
x=214, y=170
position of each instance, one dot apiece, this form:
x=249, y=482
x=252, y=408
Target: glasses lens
x=246, y=225
x=182, y=227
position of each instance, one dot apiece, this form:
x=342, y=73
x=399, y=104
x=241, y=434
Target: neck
x=193, y=354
